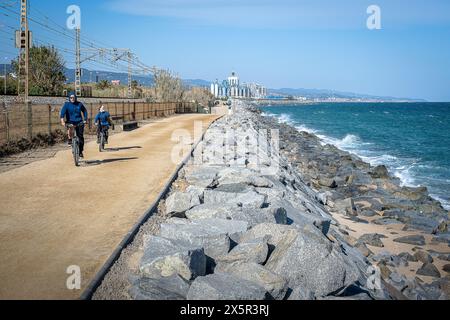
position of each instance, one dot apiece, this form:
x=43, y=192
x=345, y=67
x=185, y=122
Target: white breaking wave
x=400, y=168
x=302, y=128
x=445, y=203
x=383, y=159
x=405, y=176
x=285, y=118
x=349, y=142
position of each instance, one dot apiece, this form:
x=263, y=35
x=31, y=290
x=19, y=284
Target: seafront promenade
x=54, y=215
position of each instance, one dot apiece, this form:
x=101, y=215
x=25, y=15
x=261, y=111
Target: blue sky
x=285, y=43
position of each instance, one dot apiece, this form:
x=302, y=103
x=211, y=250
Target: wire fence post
x=5, y=112
x=7, y=125
x=49, y=120
x=91, y=116
x=29, y=119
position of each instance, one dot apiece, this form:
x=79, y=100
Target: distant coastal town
x=233, y=87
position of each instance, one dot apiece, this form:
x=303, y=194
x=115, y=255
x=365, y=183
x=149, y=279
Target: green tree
x=168, y=87
x=46, y=73
x=11, y=85
x=103, y=84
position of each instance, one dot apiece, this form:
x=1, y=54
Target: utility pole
x=5, y=74
x=78, y=63
x=129, y=76
x=24, y=54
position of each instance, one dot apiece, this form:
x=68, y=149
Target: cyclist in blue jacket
x=75, y=113
x=103, y=121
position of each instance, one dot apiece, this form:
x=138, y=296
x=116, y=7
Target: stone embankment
x=251, y=218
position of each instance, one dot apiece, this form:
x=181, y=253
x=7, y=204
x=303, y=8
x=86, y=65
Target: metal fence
x=19, y=121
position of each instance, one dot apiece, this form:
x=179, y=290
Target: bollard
x=29, y=119
x=7, y=126
x=49, y=120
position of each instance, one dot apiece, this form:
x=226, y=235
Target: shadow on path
x=121, y=148
x=105, y=161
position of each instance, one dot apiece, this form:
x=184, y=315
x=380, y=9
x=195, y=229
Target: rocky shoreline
x=269, y=220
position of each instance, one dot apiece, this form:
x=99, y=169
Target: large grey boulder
x=166, y=257
x=223, y=286
x=179, y=202
x=429, y=269
x=215, y=243
x=275, y=233
x=275, y=285
x=272, y=193
x=373, y=239
x=211, y=234
x=196, y=192
x=308, y=259
x=300, y=217
x=345, y=207
x=253, y=216
x=302, y=294
x=359, y=296
x=167, y=288
x=207, y=211
x=414, y=239
x=202, y=176
x=423, y=257
x=246, y=176
x=380, y=172
x=245, y=198
x=425, y=224
x=255, y=250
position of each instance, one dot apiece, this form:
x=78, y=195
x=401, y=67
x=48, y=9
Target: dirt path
x=54, y=215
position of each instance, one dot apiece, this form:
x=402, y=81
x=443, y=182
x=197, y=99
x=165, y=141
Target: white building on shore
x=233, y=88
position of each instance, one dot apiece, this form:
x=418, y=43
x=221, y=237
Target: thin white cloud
x=316, y=14
x=256, y=13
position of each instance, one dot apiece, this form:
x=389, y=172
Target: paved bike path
x=54, y=215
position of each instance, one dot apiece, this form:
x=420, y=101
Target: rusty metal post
x=29, y=119
x=49, y=120
x=91, y=116
x=7, y=125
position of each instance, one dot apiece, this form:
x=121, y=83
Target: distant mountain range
x=91, y=76
x=327, y=94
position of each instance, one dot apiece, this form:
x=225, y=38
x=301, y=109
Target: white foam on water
x=382, y=159
x=445, y=203
x=400, y=168
x=349, y=143
x=285, y=118
x=405, y=176
x=305, y=129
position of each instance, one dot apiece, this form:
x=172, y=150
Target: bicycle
x=102, y=138
x=75, y=143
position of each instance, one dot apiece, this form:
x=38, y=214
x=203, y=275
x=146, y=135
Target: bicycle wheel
x=101, y=145
x=76, y=152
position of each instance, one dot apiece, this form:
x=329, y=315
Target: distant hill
x=9, y=69
x=91, y=75
x=197, y=83
x=326, y=94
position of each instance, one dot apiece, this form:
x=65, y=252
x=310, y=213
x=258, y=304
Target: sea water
x=411, y=139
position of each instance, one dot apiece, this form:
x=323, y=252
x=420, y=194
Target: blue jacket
x=72, y=112
x=102, y=118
